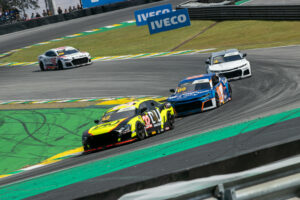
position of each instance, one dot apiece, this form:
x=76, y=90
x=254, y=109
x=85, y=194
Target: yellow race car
x=129, y=122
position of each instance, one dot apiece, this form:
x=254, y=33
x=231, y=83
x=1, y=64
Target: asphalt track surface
x=274, y=87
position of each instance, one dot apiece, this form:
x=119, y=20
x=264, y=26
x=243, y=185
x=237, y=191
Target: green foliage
x=21, y=4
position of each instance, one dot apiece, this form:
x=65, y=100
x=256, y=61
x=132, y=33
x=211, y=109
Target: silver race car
x=229, y=63
x=62, y=58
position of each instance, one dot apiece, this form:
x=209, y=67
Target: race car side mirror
x=244, y=55
x=168, y=105
x=96, y=121
x=172, y=90
x=207, y=61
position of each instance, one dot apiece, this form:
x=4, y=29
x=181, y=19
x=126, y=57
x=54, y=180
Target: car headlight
x=126, y=129
x=242, y=66
x=85, y=136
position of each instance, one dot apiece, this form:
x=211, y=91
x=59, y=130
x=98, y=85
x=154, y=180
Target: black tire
x=230, y=90
x=42, y=66
x=140, y=131
x=218, y=104
x=170, y=121
x=60, y=65
x=85, y=147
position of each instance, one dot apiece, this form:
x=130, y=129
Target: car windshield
x=222, y=59
x=192, y=86
x=118, y=114
x=67, y=52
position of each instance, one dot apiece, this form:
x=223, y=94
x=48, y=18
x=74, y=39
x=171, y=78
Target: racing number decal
x=53, y=61
x=152, y=118
x=147, y=121
x=220, y=93
x=155, y=116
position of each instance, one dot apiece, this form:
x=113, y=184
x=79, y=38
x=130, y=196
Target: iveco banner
x=170, y=21
x=142, y=15
x=93, y=3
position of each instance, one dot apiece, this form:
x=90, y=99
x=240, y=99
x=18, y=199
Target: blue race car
x=200, y=93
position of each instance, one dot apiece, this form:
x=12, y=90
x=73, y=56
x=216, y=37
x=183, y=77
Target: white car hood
x=75, y=55
x=227, y=65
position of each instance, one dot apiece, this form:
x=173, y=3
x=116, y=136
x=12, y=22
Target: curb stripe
x=73, y=100
x=241, y=2
x=125, y=57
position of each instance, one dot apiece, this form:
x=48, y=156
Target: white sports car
x=230, y=63
x=62, y=58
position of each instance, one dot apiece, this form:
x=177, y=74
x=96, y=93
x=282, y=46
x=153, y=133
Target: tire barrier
x=220, y=13
x=10, y=28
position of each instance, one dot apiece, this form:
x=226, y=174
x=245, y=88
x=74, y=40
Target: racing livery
x=230, y=63
x=129, y=122
x=62, y=58
x=199, y=93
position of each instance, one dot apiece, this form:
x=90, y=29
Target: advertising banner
x=93, y=3
x=170, y=21
x=142, y=15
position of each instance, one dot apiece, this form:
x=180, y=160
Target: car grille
x=103, y=139
x=80, y=61
x=246, y=72
x=232, y=74
x=208, y=104
x=188, y=106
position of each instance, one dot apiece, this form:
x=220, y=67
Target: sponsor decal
x=181, y=89
x=169, y=21
x=193, y=77
x=152, y=118
x=141, y=16
x=200, y=81
x=147, y=121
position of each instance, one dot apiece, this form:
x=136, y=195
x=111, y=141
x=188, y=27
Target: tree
x=20, y=4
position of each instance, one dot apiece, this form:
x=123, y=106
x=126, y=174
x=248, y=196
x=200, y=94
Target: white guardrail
x=280, y=180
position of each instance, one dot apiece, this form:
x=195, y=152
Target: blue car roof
x=196, y=77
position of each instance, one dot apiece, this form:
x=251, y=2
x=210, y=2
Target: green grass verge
x=128, y=40
x=134, y=40
x=31, y=136
x=248, y=35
